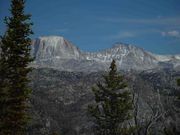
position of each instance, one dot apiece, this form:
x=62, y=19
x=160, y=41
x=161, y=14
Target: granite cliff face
x=54, y=47
x=57, y=52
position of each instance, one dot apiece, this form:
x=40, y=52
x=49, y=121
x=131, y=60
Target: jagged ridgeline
x=57, y=52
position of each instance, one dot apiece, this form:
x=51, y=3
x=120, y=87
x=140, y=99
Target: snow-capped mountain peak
x=57, y=52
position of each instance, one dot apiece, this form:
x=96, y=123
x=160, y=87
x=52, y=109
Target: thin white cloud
x=173, y=33
x=134, y=33
x=61, y=30
x=158, y=20
x=122, y=35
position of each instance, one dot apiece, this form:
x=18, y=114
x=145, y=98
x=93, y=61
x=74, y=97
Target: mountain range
x=60, y=98
x=58, y=53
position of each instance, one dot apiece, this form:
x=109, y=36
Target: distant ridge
x=57, y=52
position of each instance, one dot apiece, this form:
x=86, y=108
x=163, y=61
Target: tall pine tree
x=112, y=104
x=14, y=60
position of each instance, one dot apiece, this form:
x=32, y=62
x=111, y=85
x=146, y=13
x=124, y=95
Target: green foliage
x=112, y=104
x=178, y=82
x=14, y=60
x=54, y=133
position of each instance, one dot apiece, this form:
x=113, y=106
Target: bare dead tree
x=145, y=122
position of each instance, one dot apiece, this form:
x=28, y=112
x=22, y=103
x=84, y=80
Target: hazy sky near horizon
x=94, y=25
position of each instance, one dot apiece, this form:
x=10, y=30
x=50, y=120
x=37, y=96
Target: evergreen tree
x=54, y=133
x=112, y=104
x=178, y=82
x=14, y=60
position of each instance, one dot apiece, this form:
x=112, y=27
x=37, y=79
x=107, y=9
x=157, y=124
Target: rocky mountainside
x=57, y=52
x=60, y=100
x=126, y=56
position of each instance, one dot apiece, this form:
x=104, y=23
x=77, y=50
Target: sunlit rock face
x=54, y=47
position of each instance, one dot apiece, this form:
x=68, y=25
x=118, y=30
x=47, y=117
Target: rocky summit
x=54, y=47
x=57, y=52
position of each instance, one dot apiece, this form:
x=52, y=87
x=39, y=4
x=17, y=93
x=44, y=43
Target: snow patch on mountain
x=165, y=58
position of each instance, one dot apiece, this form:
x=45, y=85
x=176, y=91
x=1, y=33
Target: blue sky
x=94, y=25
